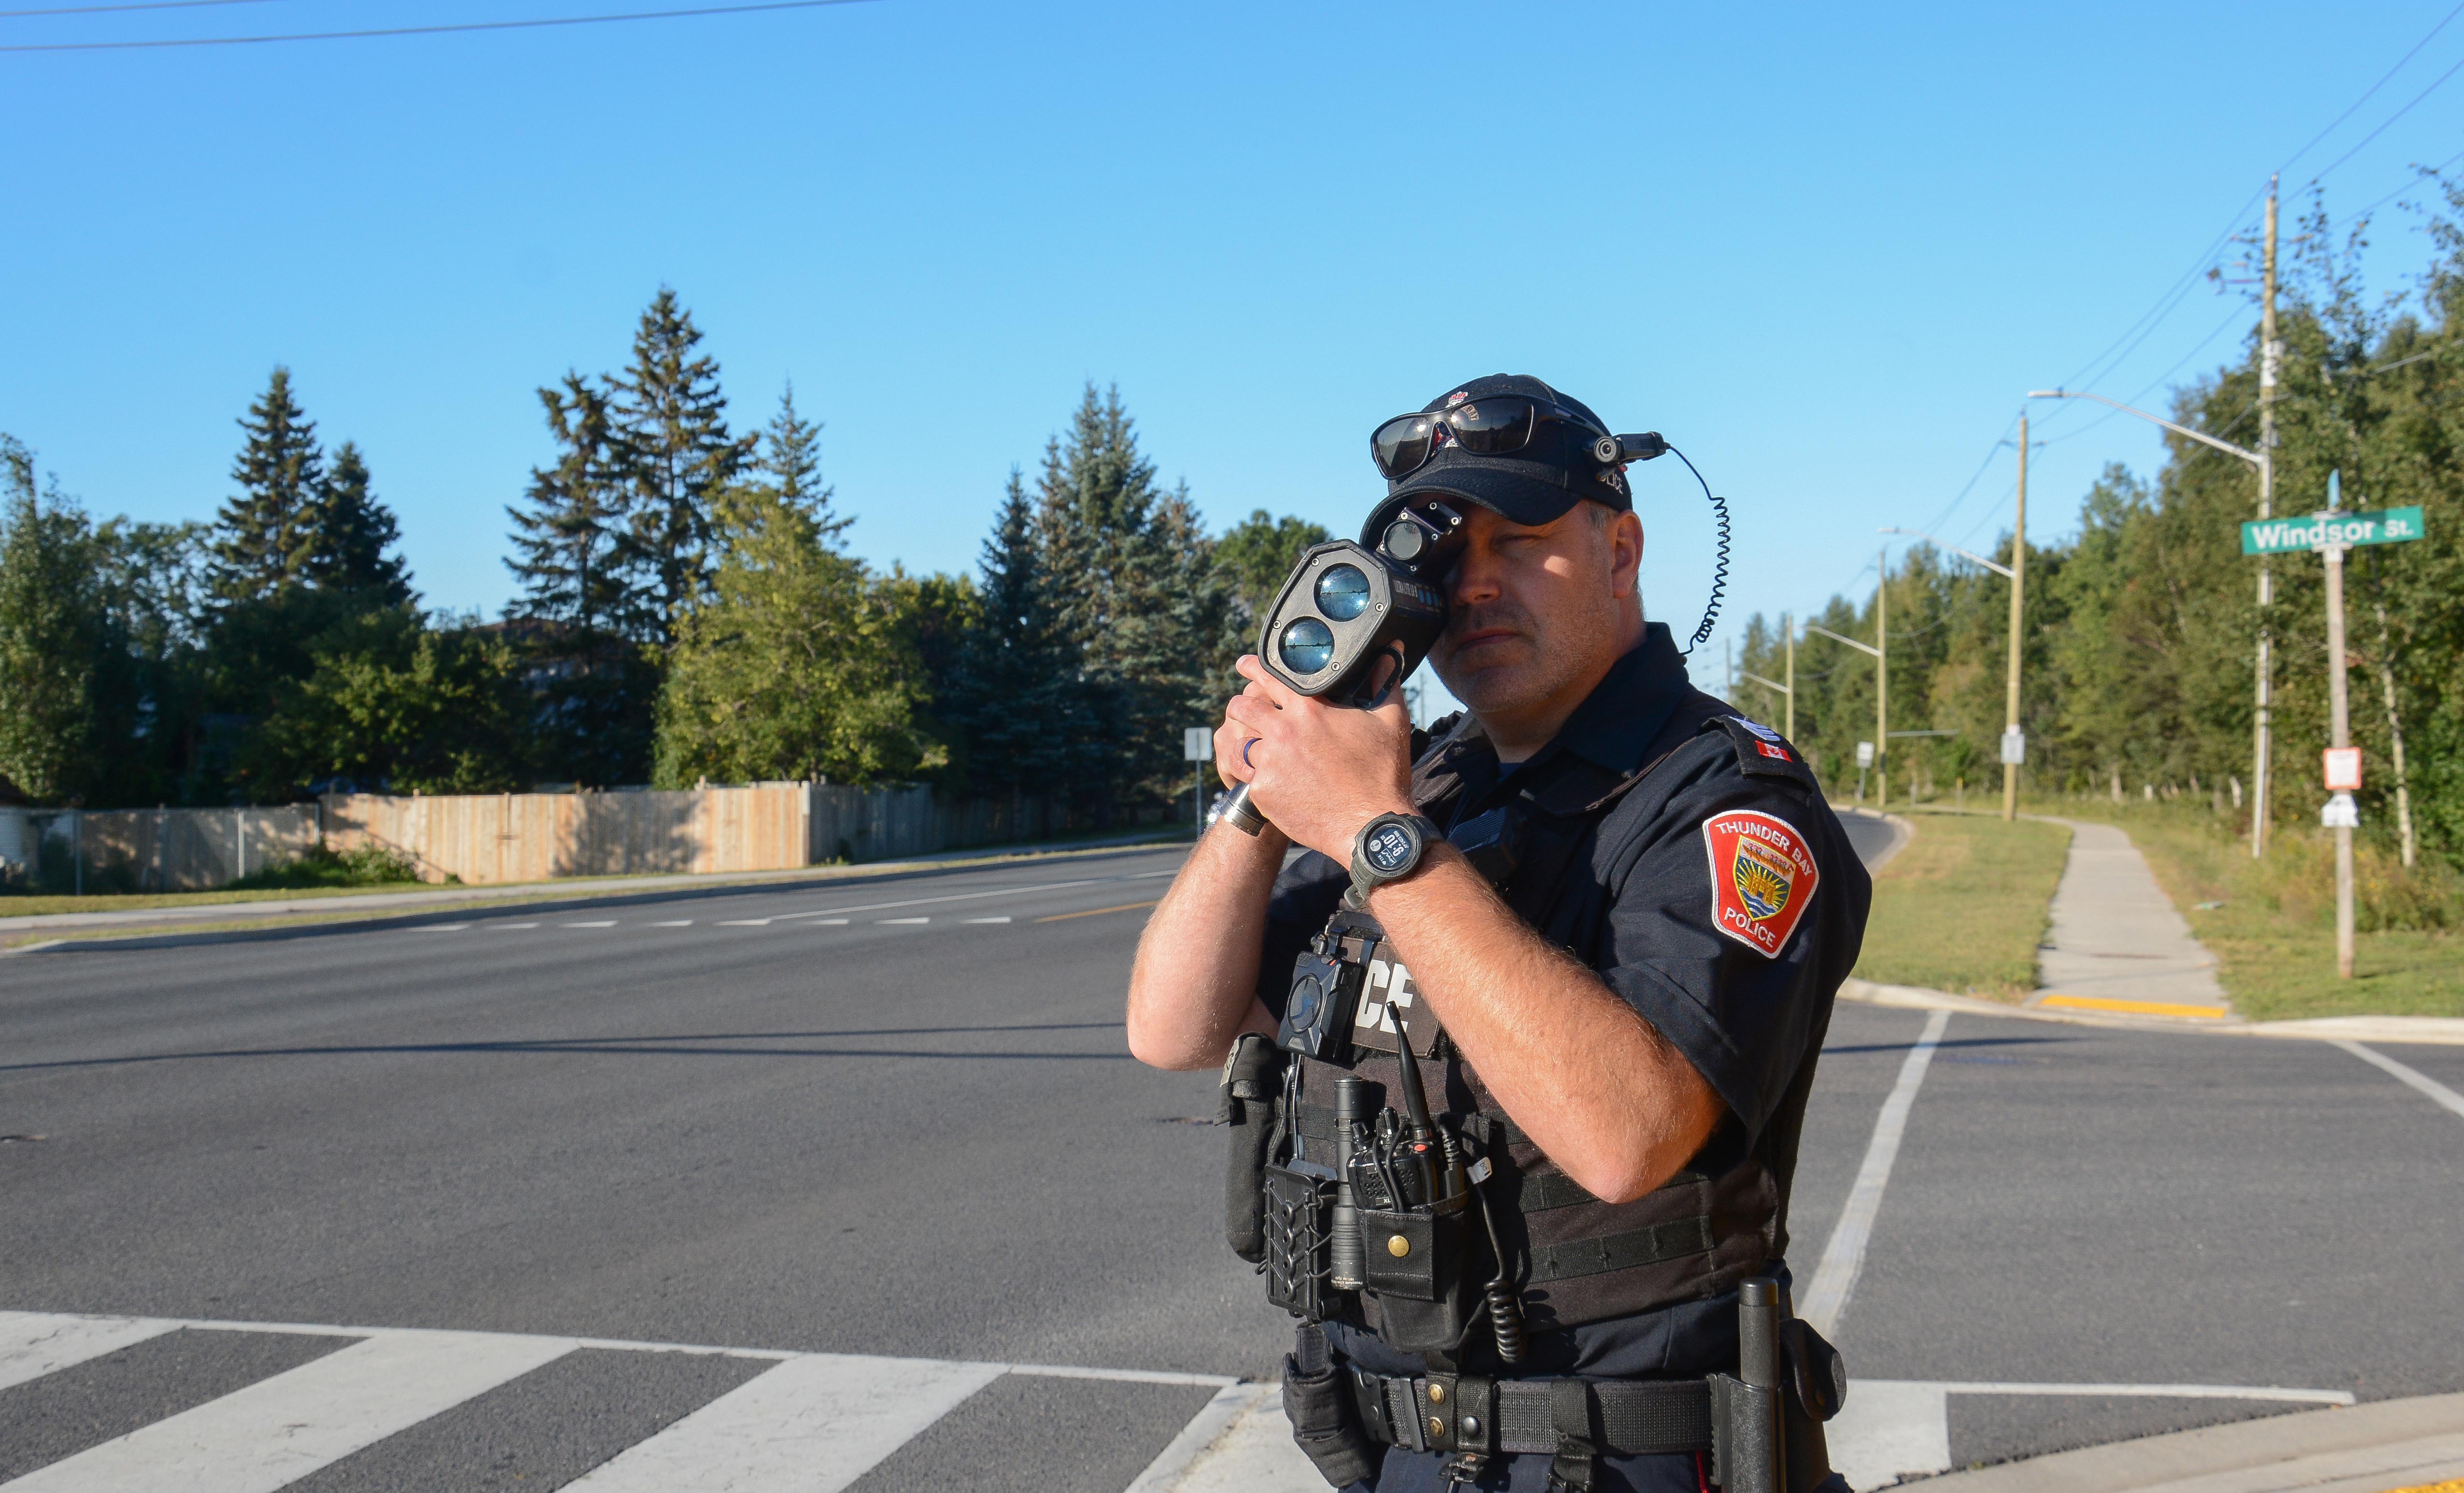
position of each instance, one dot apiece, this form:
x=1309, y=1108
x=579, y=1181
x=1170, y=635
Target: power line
x=429, y=30
x=2433, y=87
x=2358, y=213
x=145, y=5
x=2372, y=93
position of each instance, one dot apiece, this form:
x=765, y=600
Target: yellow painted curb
x=2133, y=1007
x=2451, y=1485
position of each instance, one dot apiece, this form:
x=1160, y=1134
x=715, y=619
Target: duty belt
x=1466, y=1413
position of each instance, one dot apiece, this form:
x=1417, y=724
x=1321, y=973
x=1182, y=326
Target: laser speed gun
x=1350, y=624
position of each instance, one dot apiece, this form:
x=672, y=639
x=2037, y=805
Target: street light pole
x=2018, y=588
x=2271, y=352
x=1882, y=681
x=1788, y=625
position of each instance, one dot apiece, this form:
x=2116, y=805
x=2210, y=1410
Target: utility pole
x=2271, y=353
x=1788, y=626
x=1881, y=682
x=2018, y=584
x=2340, y=727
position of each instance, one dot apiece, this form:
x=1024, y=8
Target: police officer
x=1602, y=918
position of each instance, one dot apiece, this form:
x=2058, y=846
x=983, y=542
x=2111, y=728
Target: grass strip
x=1964, y=904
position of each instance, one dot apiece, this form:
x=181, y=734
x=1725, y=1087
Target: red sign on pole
x=2344, y=768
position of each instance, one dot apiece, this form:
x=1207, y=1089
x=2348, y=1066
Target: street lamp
x=2013, y=743
x=1878, y=651
x=2266, y=468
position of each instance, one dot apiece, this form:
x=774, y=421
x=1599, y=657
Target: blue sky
x=1824, y=250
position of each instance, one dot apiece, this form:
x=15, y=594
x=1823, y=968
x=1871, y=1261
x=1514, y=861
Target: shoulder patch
x=1761, y=750
x=1762, y=876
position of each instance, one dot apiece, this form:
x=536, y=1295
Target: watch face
x=1389, y=849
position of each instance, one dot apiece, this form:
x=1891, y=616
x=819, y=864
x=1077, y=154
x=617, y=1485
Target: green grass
x=1964, y=904
x=2274, y=935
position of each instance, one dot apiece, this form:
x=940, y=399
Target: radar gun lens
x=1306, y=645
x=1343, y=593
x=1405, y=540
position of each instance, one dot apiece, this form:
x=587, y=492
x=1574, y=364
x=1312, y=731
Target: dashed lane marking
x=513, y=925
x=609, y=923
x=440, y=927
x=1126, y=907
x=673, y=922
x=988, y=920
x=2133, y=1007
x=901, y=921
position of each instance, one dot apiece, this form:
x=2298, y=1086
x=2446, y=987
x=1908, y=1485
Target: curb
x=2374, y=1448
x=2429, y=1031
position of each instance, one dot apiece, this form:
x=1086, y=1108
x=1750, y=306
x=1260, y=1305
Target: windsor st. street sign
x=2320, y=531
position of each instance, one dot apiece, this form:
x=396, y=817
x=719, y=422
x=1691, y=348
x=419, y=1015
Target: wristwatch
x=1388, y=848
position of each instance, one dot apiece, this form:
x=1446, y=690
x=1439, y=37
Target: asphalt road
x=731, y=1119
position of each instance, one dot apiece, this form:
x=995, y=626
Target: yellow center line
x=2133, y=1007
x=1126, y=907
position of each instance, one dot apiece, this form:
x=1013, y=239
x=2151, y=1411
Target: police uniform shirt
x=1661, y=901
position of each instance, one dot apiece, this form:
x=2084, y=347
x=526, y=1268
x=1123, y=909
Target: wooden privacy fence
x=506, y=837
x=765, y=826
x=86, y=850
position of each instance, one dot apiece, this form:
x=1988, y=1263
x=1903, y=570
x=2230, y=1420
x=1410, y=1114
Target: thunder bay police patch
x=1762, y=878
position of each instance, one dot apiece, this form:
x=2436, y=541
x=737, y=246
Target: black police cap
x=1537, y=485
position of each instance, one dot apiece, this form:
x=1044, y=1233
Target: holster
x=1253, y=1082
x=1318, y=1401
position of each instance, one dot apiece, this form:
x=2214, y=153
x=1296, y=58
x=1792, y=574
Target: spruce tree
x=269, y=530
x=1018, y=691
x=680, y=455
x=569, y=534
x=790, y=468
x=349, y=534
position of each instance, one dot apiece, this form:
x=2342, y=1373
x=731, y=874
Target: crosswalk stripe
x=815, y=1423
x=36, y=1343
x=277, y=1431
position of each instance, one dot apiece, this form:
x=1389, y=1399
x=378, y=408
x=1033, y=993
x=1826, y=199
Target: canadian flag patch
x=1762, y=878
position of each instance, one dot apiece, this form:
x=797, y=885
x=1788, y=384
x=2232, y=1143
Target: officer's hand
x=1319, y=771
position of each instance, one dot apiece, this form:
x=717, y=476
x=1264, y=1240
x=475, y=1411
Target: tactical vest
x=1431, y=1276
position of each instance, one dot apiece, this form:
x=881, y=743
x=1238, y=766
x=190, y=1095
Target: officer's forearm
x=1596, y=1088
x=1194, y=988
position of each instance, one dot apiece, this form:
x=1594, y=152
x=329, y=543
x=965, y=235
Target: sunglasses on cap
x=1488, y=426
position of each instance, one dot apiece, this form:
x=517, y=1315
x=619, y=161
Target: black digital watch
x=1388, y=848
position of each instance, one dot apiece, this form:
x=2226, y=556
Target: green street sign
x=2319, y=531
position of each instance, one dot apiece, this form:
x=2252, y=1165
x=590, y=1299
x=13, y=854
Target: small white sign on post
x=2340, y=813
x=1198, y=744
x=1864, y=754
x=2015, y=747
x=2343, y=769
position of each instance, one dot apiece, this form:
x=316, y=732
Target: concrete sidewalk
x=2117, y=943
x=2375, y=1448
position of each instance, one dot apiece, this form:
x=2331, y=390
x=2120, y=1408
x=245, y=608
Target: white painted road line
x=830, y=922
x=1844, y=1256
x=610, y=923
x=277, y=1431
x=1005, y=920
x=815, y=1424
x=2437, y=1092
x=975, y=896
x=513, y=925
x=900, y=921
x=673, y=922
x=36, y=1343
x=440, y=927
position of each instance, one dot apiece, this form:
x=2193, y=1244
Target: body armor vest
x=1552, y=1255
